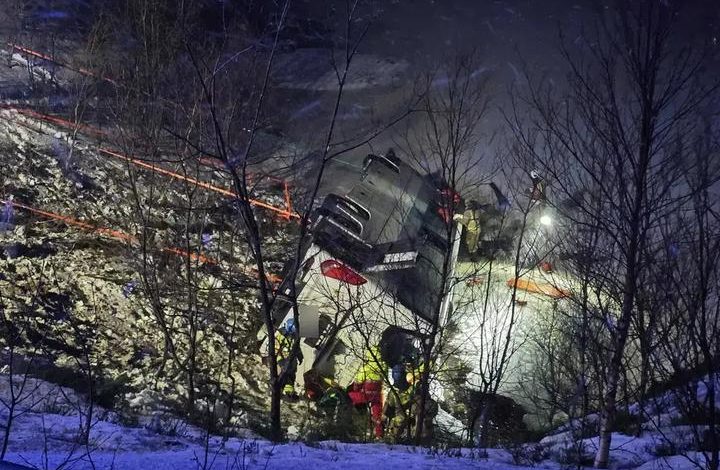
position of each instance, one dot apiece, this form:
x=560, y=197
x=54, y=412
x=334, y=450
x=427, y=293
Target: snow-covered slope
x=45, y=435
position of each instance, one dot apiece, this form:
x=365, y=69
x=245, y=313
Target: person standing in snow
x=397, y=405
x=471, y=220
x=366, y=388
x=284, y=339
x=402, y=403
x=537, y=193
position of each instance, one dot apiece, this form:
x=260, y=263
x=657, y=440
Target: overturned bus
x=375, y=258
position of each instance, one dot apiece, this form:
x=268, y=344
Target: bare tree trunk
x=452, y=122
x=615, y=367
x=712, y=438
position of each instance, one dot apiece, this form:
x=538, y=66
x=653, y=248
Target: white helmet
x=534, y=174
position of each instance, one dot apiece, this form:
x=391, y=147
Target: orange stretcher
x=542, y=288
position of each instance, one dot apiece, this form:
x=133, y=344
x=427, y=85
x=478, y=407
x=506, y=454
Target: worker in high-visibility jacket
x=284, y=338
x=470, y=218
x=397, y=405
x=367, y=387
x=402, y=404
x=537, y=193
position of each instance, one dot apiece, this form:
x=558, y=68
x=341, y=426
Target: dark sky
x=425, y=31
x=504, y=33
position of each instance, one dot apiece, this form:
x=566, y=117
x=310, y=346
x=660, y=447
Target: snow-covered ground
x=46, y=429
x=47, y=441
x=179, y=454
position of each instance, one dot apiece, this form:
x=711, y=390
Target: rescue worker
x=431, y=410
x=537, y=193
x=402, y=404
x=320, y=388
x=284, y=339
x=471, y=220
x=400, y=352
x=366, y=389
x=397, y=405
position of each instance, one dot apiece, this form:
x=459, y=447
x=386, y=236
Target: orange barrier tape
x=202, y=184
x=286, y=213
x=126, y=237
x=28, y=51
x=538, y=288
x=189, y=254
x=52, y=215
x=55, y=120
x=217, y=163
x=107, y=232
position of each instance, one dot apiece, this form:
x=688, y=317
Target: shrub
x=528, y=454
x=694, y=416
x=339, y=421
x=108, y=392
x=663, y=449
x=505, y=425
x=166, y=424
x=575, y=455
x=627, y=423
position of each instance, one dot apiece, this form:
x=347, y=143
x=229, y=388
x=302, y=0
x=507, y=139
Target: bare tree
x=687, y=275
x=615, y=132
x=208, y=116
x=236, y=156
x=444, y=141
x=21, y=392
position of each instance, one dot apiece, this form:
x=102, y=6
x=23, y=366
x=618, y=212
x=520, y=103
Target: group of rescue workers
x=386, y=385
x=474, y=215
